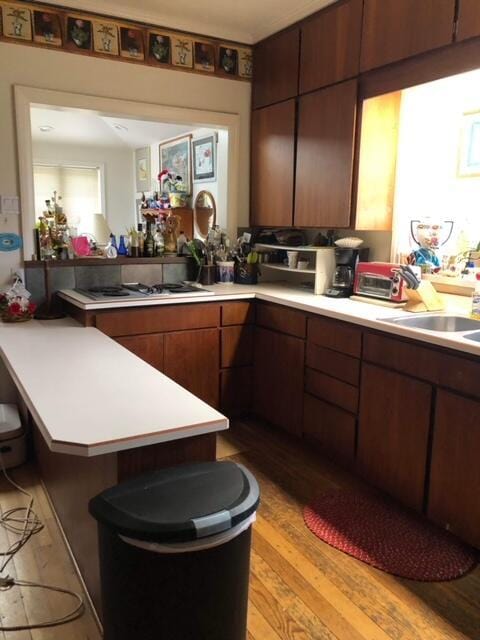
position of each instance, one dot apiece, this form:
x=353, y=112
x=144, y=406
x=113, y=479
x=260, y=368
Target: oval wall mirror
x=204, y=215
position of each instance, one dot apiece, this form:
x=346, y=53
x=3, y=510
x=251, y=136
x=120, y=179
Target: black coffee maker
x=344, y=276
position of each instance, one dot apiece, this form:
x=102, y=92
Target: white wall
x=61, y=71
x=118, y=167
x=428, y=182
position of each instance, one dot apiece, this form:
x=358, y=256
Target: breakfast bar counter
x=99, y=415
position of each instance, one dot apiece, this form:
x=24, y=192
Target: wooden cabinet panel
x=278, y=379
x=283, y=319
x=236, y=391
x=468, y=24
x=148, y=348
x=272, y=165
x=192, y=359
x=326, y=128
x=332, y=390
x=397, y=29
x=136, y=321
x=440, y=368
x=275, y=68
x=333, y=363
x=330, y=45
x=333, y=429
x=238, y=313
x=333, y=334
x=455, y=473
x=393, y=432
x=236, y=346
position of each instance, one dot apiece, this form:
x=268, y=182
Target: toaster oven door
x=371, y=284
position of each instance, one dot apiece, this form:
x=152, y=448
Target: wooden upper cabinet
x=326, y=130
x=397, y=29
x=272, y=165
x=330, y=45
x=275, y=63
x=468, y=24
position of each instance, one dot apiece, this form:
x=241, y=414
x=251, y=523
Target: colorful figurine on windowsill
x=427, y=235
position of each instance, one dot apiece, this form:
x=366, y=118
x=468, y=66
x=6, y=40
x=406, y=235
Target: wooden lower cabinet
x=454, y=495
x=148, y=348
x=236, y=391
x=393, y=433
x=278, y=379
x=331, y=428
x=192, y=359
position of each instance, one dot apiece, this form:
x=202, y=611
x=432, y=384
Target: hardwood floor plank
x=327, y=601
x=258, y=627
x=290, y=600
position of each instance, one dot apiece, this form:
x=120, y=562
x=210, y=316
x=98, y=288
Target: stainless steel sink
x=473, y=336
x=437, y=322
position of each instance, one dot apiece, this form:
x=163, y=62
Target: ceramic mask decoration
x=428, y=236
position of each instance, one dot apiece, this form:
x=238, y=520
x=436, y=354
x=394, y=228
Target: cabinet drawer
x=237, y=346
x=237, y=313
x=334, y=391
x=156, y=320
x=282, y=319
x=437, y=367
x=333, y=363
x=335, y=335
x=333, y=429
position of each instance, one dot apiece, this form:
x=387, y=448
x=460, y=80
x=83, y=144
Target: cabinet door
x=393, y=433
x=397, y=29
x=454, y=492
x=192, y=359
x=330, y=45
x=275, y=68
x=148, y=348
x=326, y=129
x=468, y=24
x=273, y=159
x=278, y=379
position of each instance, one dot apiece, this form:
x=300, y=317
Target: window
x=79, y=187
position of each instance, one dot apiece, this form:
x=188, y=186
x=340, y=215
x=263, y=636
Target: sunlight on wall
x=428, y=183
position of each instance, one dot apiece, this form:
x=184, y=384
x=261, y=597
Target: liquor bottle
x=141, y=240
x=149, y=246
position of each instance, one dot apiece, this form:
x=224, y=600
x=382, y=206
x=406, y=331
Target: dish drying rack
x=324, y=263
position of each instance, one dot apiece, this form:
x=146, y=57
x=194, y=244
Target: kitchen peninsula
x=99, y=415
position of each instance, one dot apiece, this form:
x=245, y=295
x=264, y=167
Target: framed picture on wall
x=175, y=157
x=469, y=152
x=204, y=151
x=142, y=169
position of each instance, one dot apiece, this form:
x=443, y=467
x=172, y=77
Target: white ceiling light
x=45, y=128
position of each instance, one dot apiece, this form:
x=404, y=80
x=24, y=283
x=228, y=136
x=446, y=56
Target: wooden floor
x=300, y=589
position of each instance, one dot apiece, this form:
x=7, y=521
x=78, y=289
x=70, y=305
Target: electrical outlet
x=9, y=205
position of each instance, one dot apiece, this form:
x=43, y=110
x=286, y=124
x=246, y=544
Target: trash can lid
x=180, y=503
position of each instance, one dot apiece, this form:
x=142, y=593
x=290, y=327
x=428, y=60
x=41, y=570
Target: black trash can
x=174, y=549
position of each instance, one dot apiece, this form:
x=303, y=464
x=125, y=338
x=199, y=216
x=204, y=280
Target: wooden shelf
x=103, y=262
x=281, y=247
x=281, y=267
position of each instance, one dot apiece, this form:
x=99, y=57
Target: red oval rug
x=388, y=537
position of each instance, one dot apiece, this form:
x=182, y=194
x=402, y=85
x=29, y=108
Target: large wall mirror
x=103, y=159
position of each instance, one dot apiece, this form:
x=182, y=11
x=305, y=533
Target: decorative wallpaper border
x=47, y=26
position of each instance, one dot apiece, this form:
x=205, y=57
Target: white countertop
x=91, y=396
x=361, y=313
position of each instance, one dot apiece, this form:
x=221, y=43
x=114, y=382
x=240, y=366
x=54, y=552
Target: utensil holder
x=246, y=273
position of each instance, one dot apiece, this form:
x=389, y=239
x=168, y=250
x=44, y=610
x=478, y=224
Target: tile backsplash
x=83, y=277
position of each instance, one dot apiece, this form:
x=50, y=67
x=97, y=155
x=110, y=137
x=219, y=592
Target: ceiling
x=245, y=21
x=82, y=127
